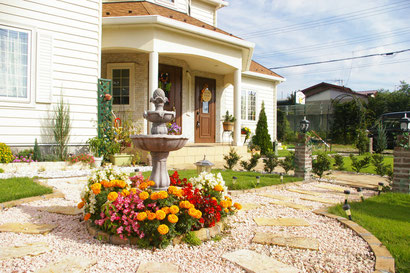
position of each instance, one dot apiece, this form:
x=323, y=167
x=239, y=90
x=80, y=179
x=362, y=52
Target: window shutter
x=44, y=71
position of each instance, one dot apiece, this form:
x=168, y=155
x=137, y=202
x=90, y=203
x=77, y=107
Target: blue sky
x=288, y=32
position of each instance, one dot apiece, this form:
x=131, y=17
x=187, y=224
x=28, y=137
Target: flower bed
x=126, y=206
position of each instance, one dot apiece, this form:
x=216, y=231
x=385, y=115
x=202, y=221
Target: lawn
x=245, y=180
x=20, y=187
x=388, y=160
x=388, y=218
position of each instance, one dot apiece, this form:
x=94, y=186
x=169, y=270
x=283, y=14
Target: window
x=121, y=86
x=15, y=47
x=248, y=105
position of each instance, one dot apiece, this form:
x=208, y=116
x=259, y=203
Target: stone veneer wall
x=303, y=161
x=401, y=170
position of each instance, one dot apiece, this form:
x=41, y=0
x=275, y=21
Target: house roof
x=323, y=86
x=368, y=92
x=118, y=9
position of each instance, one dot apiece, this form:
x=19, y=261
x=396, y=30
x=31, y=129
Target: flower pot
x=98, y=161
x=121, y=159
x=228, y=126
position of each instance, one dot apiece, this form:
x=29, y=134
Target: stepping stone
x=290, y=205
x=295, y=242
x=320, y=200
x=304, y=192
x=330, y=187
x=265, y=221
x=62, y=210
x=155, y=267
x=250, y=206
x=27, y=228
x=254, y=262
x=18, y=251
x=279, y=197
x=71, y=264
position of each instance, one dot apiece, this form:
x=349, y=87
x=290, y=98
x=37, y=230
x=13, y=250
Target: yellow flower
x=133, y=190
x=172, y=218
x=174, y=209
x=151, y=183
x=151, y=216
x=143, y=185
x=154, y=196
x=172, y=189
x=226, y=210
x=87, y=216
x=224, y=204
x=121, y=183
x=163, y=195
x=112, y=196
x=141, y=216
x=160, y=214
x=96, y=188
x=163, y=229
x=125, y=192
x=105, y=183
x=229, y=202
x=237, y=206
x=143, y=195
x=218, y=188
x=192, y=212
x=198, y=214
x=213, y=198
x=80, y=205
x=165, y=209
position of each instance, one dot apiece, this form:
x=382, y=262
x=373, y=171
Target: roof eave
x=263, y=76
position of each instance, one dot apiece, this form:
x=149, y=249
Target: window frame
x=246, y=108
x=131, y=67
x=9, y=101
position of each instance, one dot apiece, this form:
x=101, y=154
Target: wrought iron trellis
x=104, y=105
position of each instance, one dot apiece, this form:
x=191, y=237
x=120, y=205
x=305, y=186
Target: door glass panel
x=205, y=107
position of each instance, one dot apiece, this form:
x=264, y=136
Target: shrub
x=1, y=170
x=84, y=158
x=380, y=168
x=231, y=159
x=270, y=161
x=252, y=162
x=358, y=164
x=288, y=163
x=51, y=157
x=381, y=139
x=6, y=156
x=339, y=163
x=61, y=128
x=36, y=152
x=321, y=164
x=362, y=141
x=262, y=137
x=191, y=239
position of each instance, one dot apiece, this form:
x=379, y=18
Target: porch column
x=237, y=78
x=153, y=77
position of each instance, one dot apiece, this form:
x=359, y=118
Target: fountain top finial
x=159, y=99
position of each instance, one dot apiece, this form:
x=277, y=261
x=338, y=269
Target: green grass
x=283, y=153
x=388, y=218
x=388, y=160
x=20, y=187
x=246, y=180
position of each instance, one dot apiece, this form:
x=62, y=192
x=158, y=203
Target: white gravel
x=340, y=249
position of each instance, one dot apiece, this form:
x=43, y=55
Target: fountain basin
x=159, y=116
x=159, y=143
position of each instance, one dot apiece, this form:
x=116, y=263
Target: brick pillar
x=303, y=160
x=401, y=170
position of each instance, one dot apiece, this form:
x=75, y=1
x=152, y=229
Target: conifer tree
x=262, y=137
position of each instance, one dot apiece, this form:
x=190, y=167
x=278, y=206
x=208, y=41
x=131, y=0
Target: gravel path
x=340, y=250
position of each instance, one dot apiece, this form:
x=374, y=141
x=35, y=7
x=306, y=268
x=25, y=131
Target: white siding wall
x=72, y=31
x=204, y=12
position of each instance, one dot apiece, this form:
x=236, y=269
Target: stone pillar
x=371, y=145
x=303, y=159
x=153, y=77
x=401, y=170
x=237, y=107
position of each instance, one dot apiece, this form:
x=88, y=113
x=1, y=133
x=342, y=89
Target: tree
x=271, y=161
x=346, y=122
x=381, y=138
x=262, y=137
x=321, y=164
x=62, y=128
x=283, y=127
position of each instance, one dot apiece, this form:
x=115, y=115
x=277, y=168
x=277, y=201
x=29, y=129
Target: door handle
x=173, y=109
x=197, y=124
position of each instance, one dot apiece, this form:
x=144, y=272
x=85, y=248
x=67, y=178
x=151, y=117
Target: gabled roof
x=118, y=9
x=368, y=92
x=323, y=86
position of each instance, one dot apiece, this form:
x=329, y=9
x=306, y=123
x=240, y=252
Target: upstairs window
x=14, y=63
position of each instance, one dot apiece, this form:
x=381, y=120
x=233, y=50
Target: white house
x=60, y=48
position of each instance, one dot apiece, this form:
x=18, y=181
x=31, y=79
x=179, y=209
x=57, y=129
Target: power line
x=343, y=59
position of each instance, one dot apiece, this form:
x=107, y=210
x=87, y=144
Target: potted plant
x=98, y=147
x=228, y=122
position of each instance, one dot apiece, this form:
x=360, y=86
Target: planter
x=228, y=126
x=98, y=161
x=121, y=159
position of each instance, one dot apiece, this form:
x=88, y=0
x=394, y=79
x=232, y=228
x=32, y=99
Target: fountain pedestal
x=159, y=170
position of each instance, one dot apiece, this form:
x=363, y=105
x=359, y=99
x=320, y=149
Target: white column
x=153, y=77
x=237, y=78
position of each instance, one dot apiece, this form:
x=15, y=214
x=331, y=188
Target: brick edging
x=384, y=260
x=55, y=194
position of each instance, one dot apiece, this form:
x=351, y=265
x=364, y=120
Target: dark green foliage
x=252, y=162
x=380, y=168
x=270, y=161
x=381, y=139
x=50, y=157
x=1, y=170
x=26, y=153
x=191, y=239
x=358, y=164
x=339, y=164
x=61, y=128
x=262, y=137
x=36, y=151
x=321, y=164
x=231, y=159
x=348, y=118
x=288, y=163
x=362, y=141
x=285, y=134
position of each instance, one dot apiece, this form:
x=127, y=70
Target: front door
x=205, y=110
x=170, y=80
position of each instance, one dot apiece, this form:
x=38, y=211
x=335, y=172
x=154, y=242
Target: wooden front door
x=170, y=80
x=205, y=110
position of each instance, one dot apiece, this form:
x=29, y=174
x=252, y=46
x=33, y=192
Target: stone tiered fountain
x=159, y=143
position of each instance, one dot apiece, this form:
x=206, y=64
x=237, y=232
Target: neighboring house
x=326, y=92
x=61, y=48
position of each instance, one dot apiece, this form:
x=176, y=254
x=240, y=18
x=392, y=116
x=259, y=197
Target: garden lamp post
x=405, y=125
x=359, y=190
x=347, y=193
x=304, y=125
x=346, y=208
x=258, y=180
x=380, y=187
x=203, y=166
x=234, y=178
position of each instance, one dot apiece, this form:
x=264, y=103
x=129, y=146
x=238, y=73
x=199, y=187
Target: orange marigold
x=143, y=195
x=125, y=192
x=172, y=218
x=160, y=214
x=172, y=189
x=224, y=204
x=80, y=205
x=237, y=206
x=151, y=183
x=174, y=209
x=192, y=212
x=163, y=195
x=163, y=229
x=112, y=196
x=226, y=210
x=198, y=214
x=121, y=183
x=133, y=190
x=141, y=216
x=166, y=210
x=151, y=215
x=105, y=183
x=87, y=216
x=143, y=185
x=154, y=196
x=218, y=188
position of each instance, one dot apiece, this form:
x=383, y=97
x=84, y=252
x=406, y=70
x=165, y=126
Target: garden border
x=384, y=260
x=55, y=194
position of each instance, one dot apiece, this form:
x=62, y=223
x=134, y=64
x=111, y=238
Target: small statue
x=159, y=99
